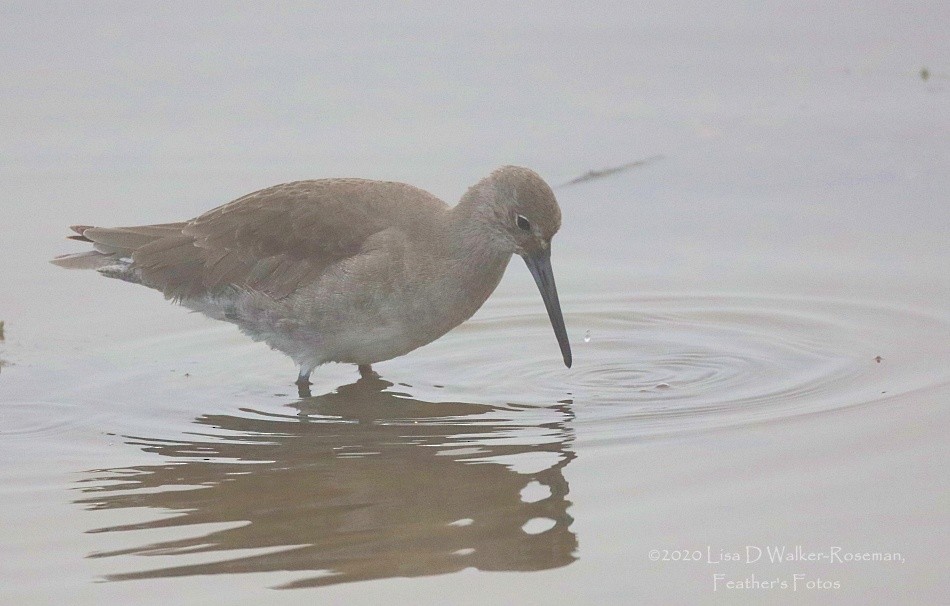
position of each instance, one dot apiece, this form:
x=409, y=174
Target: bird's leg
x=367, y=372
x=303, y=382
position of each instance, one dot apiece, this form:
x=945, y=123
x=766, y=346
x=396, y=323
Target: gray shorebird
x=342, y=270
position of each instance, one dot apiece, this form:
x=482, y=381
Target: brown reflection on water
x=362, y=483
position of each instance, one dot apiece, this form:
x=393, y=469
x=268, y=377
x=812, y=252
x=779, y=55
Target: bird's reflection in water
x=362, y=483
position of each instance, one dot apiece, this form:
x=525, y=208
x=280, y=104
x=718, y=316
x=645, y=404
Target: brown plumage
x=272, y=241
x=313, y=267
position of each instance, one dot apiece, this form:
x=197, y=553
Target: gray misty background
x=801, y=146
x=796, y=228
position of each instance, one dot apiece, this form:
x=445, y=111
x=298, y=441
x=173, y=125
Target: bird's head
x=522, y=215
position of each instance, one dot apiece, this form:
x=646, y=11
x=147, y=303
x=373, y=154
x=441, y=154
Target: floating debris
x=924, y=74
x=587, y=337
x=663, y=386
x=597, y=174
x=878, y=359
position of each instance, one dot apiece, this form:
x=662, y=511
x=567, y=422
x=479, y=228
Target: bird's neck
x=480, y=255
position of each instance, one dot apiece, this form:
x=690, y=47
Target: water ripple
x=673, y=363
x=31, y=420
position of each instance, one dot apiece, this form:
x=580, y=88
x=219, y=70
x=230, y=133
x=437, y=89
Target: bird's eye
x=523, y=223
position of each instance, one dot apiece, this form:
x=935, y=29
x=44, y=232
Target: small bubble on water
x=587, y=337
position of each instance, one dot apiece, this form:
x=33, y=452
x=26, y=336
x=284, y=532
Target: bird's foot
x=303, y=389
x=303, y=385
x=367, y=372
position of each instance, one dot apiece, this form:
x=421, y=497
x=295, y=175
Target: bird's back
x=273, y=241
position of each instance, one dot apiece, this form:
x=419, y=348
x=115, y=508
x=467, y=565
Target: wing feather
x=273, y=241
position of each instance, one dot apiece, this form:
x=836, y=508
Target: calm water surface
x=759, y=318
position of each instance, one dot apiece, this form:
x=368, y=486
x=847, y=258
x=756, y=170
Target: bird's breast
x=413, y=310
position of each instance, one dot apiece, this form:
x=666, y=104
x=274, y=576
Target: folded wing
x=273, y=241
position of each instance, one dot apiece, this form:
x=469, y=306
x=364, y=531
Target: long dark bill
x=540, y=266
